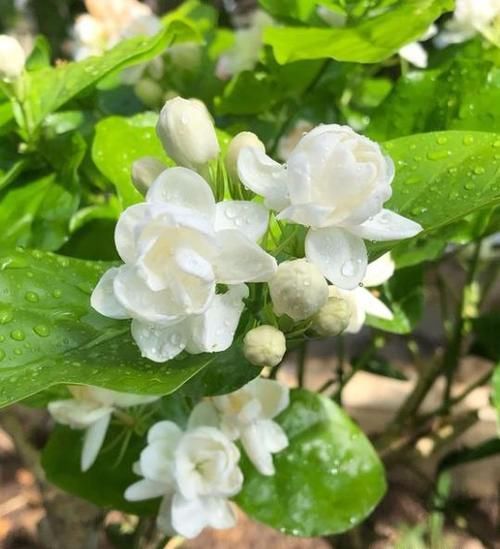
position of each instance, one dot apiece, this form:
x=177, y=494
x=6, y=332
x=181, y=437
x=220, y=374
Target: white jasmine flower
x=336, y=183
x=298, y=289
x=470, y=18
x=239, y=142
x=333, y=318
x=187, y=133
x=176, y=247
x=194, y=471
x=109, y=21
x=361, y=300
x=244, y=54
x=247, y=415
x=12, y=58
x=264, y=346
x=415, y=53
x=91, y=409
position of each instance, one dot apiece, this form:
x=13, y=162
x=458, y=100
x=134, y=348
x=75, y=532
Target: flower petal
x=159, y=343
x=213, y=331
x=264, y=176
x=145, y=489
x=257, y=452
x=241, y=260
x=185, y=188
x=157, y=461
x=273, y=396
x=339, y=255
x=415, y=54
x=92, y=442
x=310, y=215
x=164, y=517
x=128, y=228
x=379, y=271
x=204, y=414
x=165, y=430
x=250, y=218
x=103, y=298
x=374, y=306
x=77, y=414
x=386, y=225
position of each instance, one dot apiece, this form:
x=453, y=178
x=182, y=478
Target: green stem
x=16, y=170
x=360, y=364
x=301, y=364
x=340, y=369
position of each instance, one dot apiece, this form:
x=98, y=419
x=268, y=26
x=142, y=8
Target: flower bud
x=145, y=171
x=187, y=132
x=298, y=289
x=333, y=318
x=240, y=141
x=149, y=92
x=12, y=58
x=264, y=346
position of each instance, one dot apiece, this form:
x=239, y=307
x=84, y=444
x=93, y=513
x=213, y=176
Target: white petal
x=415, y=54
x=204, y=414
x=257, y=452
x=128, y=228
x=157, y=461
x=250, y=218
x=78, y=414
x=272, y=395
x=165, y=430
x=103, y=298
x=145, y=489
x=92, y=442
x=188, y=516
x=185, y=188
x=164, y=517
x=264, y=176
x=126, y=400
x=340, y=256
x=358, y=315
x=159, y=343
x=310, y=215
x=241, y=260
x=379, y=271
x=386, y=225
x=374, y=306
x=219, y=513
x=213, y=331
x=272, y=435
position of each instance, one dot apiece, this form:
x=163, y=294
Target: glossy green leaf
x=50, y=88
x=441, y=178
x=369, y=40
x=328, y=480
x=404, y=296
x=118, y=143
x=49, y=334
x=106, y=481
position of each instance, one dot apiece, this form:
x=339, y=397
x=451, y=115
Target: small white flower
x=244, y=54
x=247, y=415
x=239, y=142
x=362, y=301
x=194, y=471
x=335, y=182
x=298, y=289
x=177, y=246
x=470, y=18
x=12, y=58
x=187, y=132
x=264, y=346
x=146, y=170
x=333, y=318
x=91, y=409
x=415, y=53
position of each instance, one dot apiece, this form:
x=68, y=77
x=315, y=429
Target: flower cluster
x=196, y=471
x=189, y=260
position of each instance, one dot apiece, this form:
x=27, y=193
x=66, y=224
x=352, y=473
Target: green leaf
x=441, y=178
x=465, y=96
x=369, y=40
x=39, y=57
x=328, y=480
x=50, y=88
x=49, y=334
x=118, y=143
x=484, y=450
x=106, y=481
x=404, y=294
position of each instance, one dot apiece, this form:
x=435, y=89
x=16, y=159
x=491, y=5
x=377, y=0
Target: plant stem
x=301, y=363
x=337, y=396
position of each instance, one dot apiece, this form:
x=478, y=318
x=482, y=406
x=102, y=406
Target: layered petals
x=386, y=225
x=248, y=217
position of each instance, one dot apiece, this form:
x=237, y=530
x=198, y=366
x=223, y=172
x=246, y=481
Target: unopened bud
x=239, y=142
x=12, y=58
x=149, y=92
x=333, y=318
x=145, y=171
x=187, y=132
x=264, y=346
x=298, y=289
